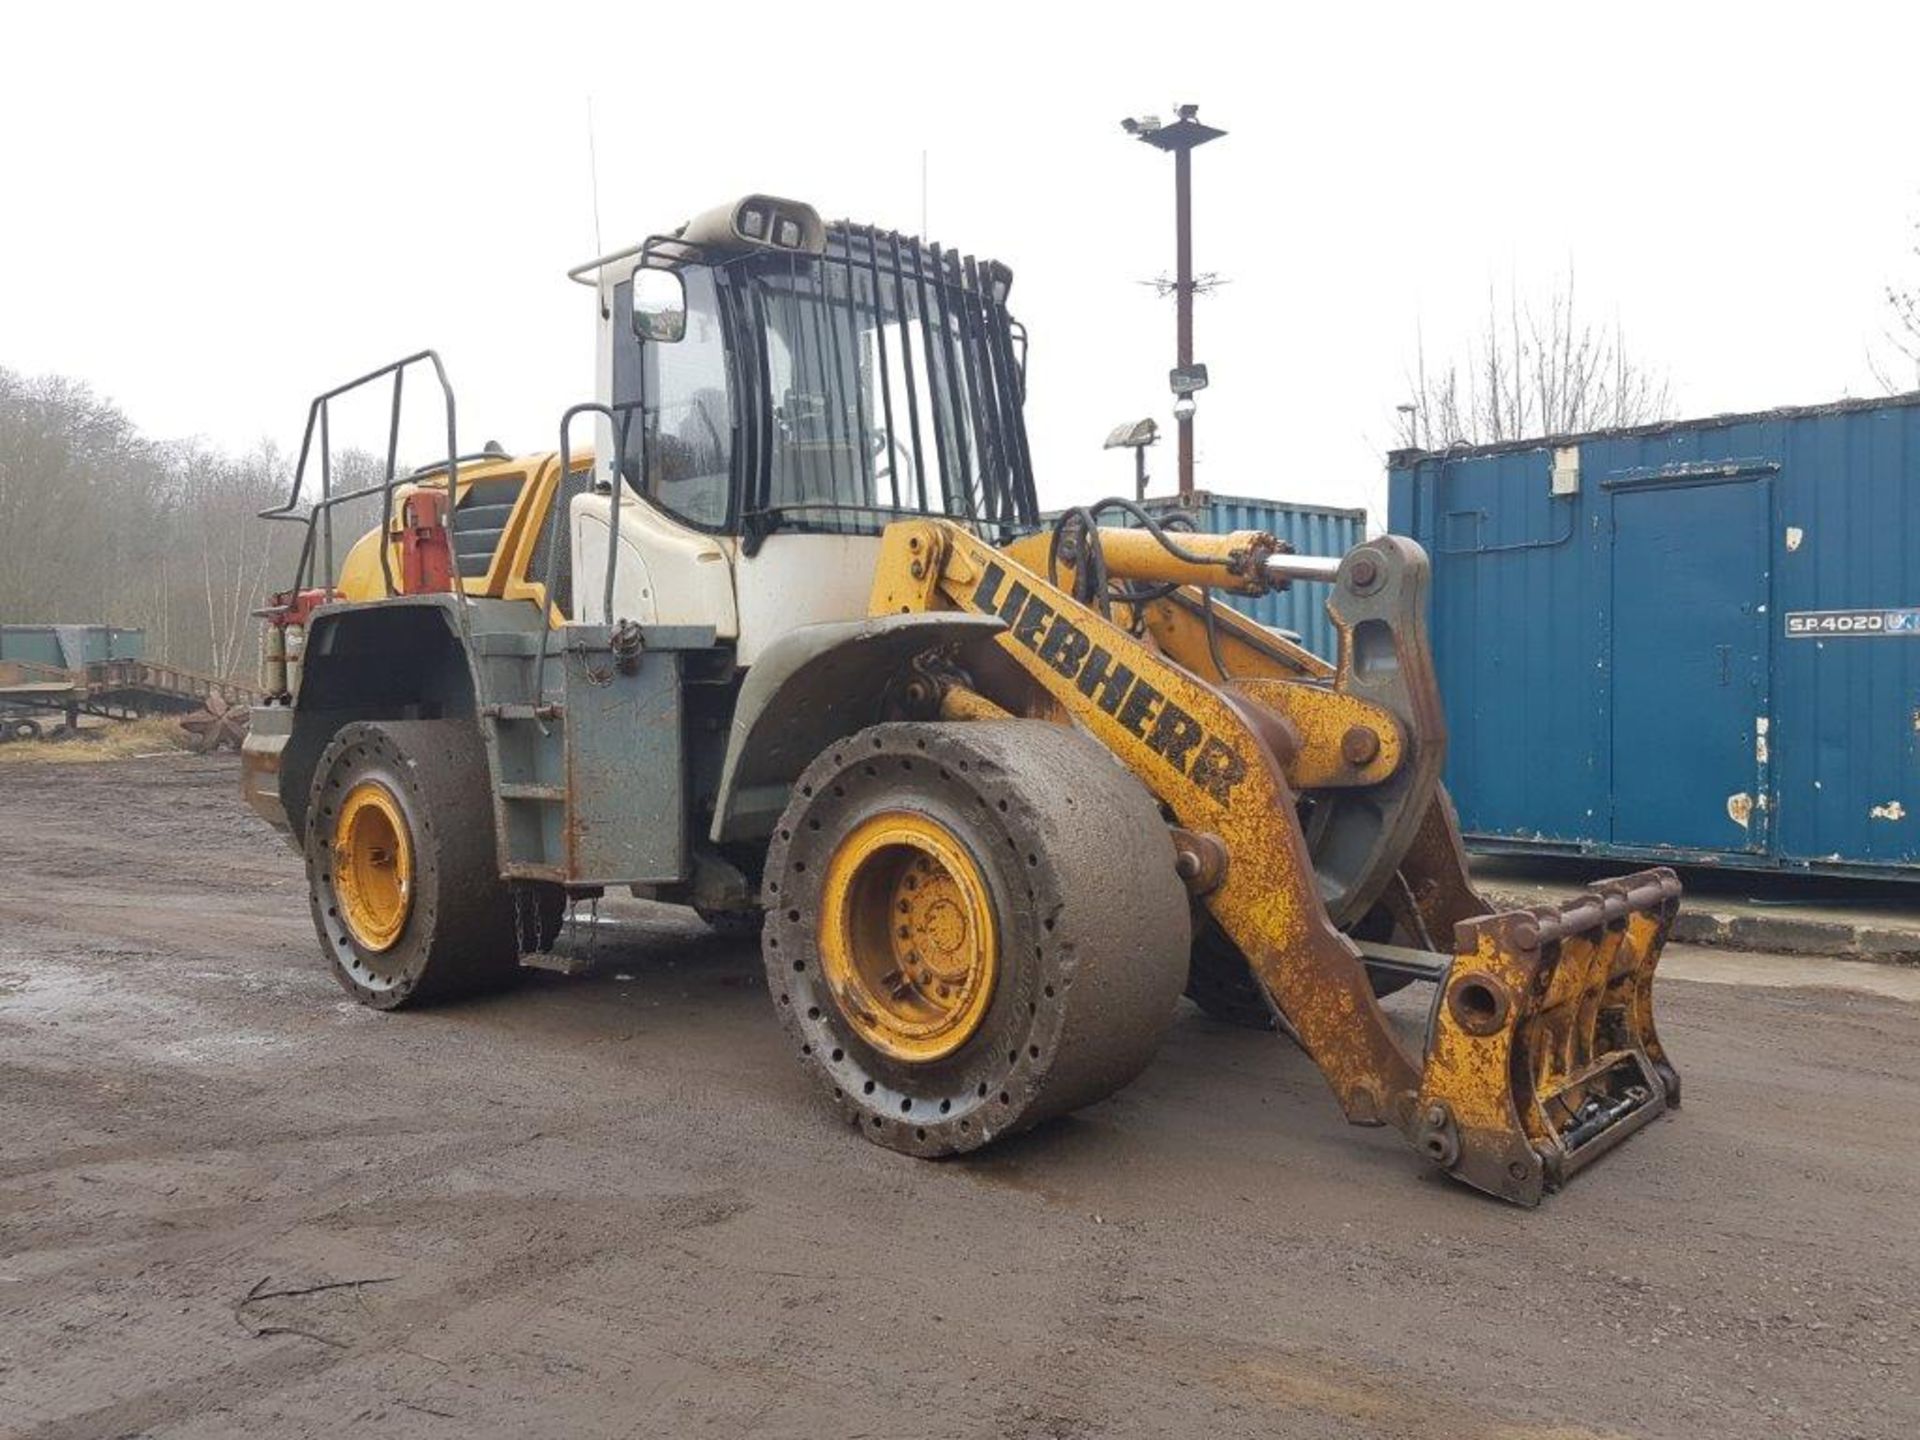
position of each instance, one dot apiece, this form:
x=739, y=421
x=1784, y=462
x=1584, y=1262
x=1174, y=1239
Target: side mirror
x=659, y=306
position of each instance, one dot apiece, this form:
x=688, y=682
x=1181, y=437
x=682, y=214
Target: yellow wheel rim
x=372, y=865
x=907, y=939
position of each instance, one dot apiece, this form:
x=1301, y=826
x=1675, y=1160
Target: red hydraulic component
x=295, y=607
x=284, y=642
x=426, y=549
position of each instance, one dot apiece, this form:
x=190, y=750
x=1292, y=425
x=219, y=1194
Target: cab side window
x=685, y=429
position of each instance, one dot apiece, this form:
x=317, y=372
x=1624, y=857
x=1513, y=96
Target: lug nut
x=1365, y=573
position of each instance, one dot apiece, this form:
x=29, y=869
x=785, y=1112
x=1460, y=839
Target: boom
x=1543, y=1047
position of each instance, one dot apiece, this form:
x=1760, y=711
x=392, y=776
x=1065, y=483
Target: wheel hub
x=372, y=866
x=907, y=937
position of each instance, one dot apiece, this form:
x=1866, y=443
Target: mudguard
x=813, y=685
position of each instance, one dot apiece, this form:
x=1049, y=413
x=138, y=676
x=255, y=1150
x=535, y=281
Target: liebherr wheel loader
x=792, y=640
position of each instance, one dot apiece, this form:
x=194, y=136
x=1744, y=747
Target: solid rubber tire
x=1221, y=983
x=460, y=935
x=1091, y=917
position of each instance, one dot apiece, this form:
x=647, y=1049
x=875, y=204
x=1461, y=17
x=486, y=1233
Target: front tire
x=401, y=873
x=971, y=928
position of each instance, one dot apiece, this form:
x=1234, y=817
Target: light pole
x=1181, y=138
x=1136, y=436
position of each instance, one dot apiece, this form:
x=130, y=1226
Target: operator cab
x=776, y=391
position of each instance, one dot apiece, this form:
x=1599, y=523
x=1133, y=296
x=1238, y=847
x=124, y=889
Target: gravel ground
x=612, y=1206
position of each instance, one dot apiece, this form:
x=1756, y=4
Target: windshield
x=892, y=386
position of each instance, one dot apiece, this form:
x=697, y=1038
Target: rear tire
x=1221, y=983
x=20, y=727
x=1065, y=868
x=428, y=917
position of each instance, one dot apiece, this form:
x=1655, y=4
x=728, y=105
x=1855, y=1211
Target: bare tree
x=1896, y=360
x=1534, y=370
x=82, y=498
x=238, y=557
x=101, y=525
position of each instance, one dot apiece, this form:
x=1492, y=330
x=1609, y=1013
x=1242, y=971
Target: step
x=557, y=962
x=554, y=794
x=523, y=713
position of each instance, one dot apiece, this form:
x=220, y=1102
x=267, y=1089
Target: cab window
x=684, y=431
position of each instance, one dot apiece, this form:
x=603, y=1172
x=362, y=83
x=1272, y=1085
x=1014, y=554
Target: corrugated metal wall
x=1310, y=529
x=1608, y=654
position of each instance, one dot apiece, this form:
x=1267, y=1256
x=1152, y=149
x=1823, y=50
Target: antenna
x=593, y=171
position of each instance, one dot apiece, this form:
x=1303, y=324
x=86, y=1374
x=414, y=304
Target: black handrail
x=620, y=415
x=319, y=417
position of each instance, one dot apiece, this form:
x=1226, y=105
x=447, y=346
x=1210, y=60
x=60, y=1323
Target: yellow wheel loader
x=792, y=645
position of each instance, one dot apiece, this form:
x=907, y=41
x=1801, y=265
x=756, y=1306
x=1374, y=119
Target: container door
x=1689, y=647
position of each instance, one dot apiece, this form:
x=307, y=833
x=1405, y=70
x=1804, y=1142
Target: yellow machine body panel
x=532, y=480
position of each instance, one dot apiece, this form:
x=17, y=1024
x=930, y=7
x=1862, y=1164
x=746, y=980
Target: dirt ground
x=613, y=1206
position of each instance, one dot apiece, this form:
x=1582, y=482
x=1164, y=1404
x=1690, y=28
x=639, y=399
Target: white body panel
x=667, y=575
x=800, y=579
x=672, y=576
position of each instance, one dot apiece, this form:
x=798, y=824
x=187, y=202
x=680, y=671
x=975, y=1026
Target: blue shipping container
x=1310, y=529
x=1696, y=641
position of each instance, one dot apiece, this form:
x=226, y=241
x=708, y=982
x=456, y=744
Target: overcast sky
x=211, y=213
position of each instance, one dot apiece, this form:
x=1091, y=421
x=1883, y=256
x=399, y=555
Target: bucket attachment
x=1541, y=1048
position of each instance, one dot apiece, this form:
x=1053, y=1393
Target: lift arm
x=1542, y=1047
